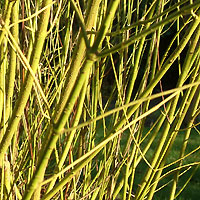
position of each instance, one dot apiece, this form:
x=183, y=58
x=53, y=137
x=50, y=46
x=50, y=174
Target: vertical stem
x=77, y=61
x=12, y=62
x=186, y=68
x=26, y=89
x=186, y=38
x=58, y=127
x=3, y=61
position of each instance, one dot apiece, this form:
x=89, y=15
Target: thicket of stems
x=84, y=109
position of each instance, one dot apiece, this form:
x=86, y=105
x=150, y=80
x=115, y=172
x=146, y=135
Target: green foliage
x=99, y=99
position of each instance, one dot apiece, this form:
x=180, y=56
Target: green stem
x=12, y=62
x=151, y=29
x=58, y=127
x=6, y=21
x=77, y=61
x=26, y=89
